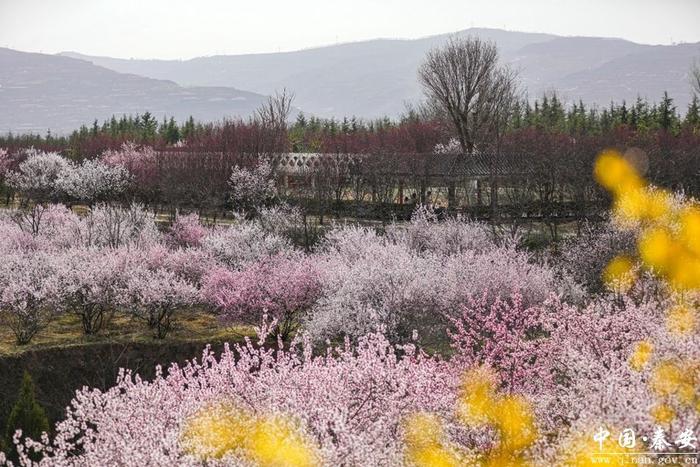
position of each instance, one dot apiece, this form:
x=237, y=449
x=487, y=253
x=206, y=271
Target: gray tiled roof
x=477, y=164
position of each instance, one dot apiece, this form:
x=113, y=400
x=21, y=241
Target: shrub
x=92, y=282
x=371, y=282
x=27, y=418
x=155, y=296
x=424, y=234
x=112, y=226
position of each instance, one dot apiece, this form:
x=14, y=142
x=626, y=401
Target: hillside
x=40, y=92
x=375, y=78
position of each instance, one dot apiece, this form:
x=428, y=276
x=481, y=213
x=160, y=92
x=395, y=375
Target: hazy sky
x=185, y=29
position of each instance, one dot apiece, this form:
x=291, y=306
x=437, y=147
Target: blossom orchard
x=544, y=363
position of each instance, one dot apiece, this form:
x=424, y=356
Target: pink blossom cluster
x=351, y=400
x=372, y=281
x=284, y=287
x=508, y=337
x=140, y=162
x=574, y=357
x=187, y=231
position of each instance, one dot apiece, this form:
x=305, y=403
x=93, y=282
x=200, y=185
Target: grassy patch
x=66, y=330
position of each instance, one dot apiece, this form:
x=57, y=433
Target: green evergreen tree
x=189, y=128
x=692, y=116
x=149, y=126
x=623, y=113
x=26, y=415
x=666, y=113
x=172, y=135
x=642, y=115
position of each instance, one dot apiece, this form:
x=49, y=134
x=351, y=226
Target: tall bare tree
x=463, y=81
x=502, y=95
x=276, y=109
x=695, y=77
x=274, y=114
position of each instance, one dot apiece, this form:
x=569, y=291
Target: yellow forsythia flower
x=656, y=249
x=689, y=219
x=667, y=378
x=275, y=442
x=425, y=445
x=619, y=273
x=215, y=431
x=663, y=414
x=641, y=355
x=684, y=271
x=616, y=174
x=477, y=397
x=657, y=206
x=515, y=422
x=681, y=320
x=221, y=429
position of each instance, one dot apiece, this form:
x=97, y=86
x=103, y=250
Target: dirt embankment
x=59, y=371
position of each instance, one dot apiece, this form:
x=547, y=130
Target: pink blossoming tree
x=281, y=287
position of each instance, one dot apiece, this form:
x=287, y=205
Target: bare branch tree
x=695, y=77
x=463, y=81
x=275, y=111
x=502, y=94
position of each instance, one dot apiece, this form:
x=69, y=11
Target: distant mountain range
x=40, y=92
x=366, y=79
x=375, y=78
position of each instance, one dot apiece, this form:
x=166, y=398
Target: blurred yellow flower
x=515, y=422
x=480, y=404
x=656, y=248
x=641, y=355
x=630, y=205
x=215, y=431
x=666, y=378
x=619, y=273
x=477, y=397
x=641, y=204
x=684, y=274
x=221, y=429
x=425, y=445
x=681, y=319
x=663, y=414
x=689, y=219
x=276, y=442
x=616, y=174
x=658, y=206
x=510, y=415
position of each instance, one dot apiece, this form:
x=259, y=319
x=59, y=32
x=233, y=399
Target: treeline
x=540, y=165
x=550, y=113
x=412, y=132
